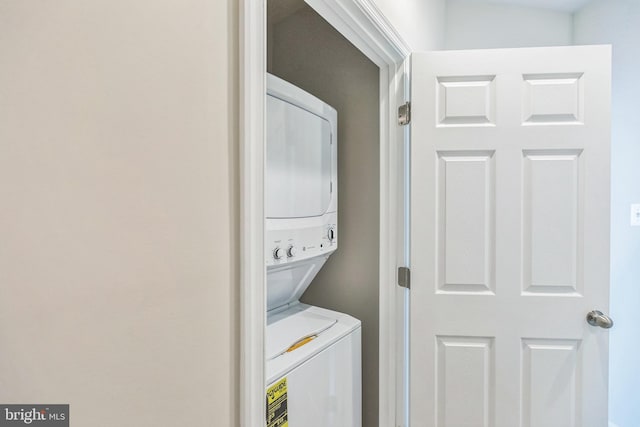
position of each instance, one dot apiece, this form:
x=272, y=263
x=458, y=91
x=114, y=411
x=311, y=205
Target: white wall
x=419, y=22
x=474, y=25
x=617, y=22
x=118, y=209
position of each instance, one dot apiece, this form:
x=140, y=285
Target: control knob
x=291, y=252
x=278, y=253
x=331, y=234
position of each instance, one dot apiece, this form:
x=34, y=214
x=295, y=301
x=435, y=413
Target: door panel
x=466, y=200
x=509, y=237
x=464, y=375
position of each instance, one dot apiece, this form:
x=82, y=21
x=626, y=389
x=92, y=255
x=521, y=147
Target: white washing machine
x=313, y=355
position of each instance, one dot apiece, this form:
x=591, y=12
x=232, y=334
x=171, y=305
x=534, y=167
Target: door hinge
x=404, y=277
x=404, y=114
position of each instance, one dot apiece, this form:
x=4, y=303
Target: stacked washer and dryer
x=313, y=355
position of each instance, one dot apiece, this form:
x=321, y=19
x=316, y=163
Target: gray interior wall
x=309, y=53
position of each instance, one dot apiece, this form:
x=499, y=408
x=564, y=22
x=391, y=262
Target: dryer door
x=298, y=162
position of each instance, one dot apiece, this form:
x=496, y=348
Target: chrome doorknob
x=597, y=318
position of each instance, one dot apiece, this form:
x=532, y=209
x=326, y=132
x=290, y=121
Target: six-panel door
x=509, y=237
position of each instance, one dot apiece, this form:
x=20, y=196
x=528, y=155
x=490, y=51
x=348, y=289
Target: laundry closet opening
x=305, y=50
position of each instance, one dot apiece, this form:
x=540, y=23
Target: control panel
x=301, y=239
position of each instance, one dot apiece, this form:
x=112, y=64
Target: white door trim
x=252, y=44
x=362, y=24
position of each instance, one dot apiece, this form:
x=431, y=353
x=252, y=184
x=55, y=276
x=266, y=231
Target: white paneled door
x=509, y=237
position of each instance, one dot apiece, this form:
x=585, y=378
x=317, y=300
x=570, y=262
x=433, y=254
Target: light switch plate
x=635, y=215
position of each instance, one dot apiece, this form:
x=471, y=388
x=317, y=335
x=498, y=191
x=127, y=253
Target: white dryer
x=313, y=355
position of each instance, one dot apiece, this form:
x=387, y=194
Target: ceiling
x=278, y=10
x=560, y=5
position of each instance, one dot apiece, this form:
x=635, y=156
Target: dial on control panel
x=331, y=234
x=278, y=253
x=291, y=252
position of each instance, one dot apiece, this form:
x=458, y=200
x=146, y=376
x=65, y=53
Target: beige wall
x=118, y=209
x=311, y=54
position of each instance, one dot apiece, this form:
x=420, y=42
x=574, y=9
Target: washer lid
x=291, y=332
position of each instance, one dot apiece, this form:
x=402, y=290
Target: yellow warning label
x=277, y=415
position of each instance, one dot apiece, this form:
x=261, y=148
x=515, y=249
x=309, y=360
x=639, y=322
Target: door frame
x=362, y=23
